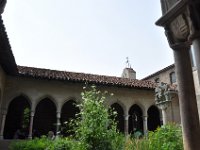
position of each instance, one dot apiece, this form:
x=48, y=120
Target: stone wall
x=163, y=76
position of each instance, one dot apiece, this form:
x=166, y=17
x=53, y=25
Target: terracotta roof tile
x=40, y=73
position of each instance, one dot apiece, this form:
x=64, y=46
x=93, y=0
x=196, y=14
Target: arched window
x=172, y=77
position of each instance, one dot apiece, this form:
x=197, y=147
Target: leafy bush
x=66, y=144
x=137, y=144
x=94, y=126
x=167, y=137
x=35, y=144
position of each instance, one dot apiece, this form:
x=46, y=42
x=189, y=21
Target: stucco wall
x=163, y=76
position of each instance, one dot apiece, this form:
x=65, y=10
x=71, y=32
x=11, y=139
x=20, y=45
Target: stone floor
x=4, y=144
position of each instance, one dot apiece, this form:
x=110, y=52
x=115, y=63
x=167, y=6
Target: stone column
x=58, y=123
x=126, y=123
x=164, y=115
x=187, y=98
x=30, y=134
x=196, y=52
x=145, y=125
x=4, y=113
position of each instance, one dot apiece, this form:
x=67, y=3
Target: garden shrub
x=94, y=126
x=137, y=144
x=35, y=144
x=66, y=144
x=167, y=137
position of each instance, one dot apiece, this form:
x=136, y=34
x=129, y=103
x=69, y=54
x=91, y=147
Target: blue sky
x=90, y=36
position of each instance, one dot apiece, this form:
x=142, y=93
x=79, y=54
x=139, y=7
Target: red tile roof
x=39, y=73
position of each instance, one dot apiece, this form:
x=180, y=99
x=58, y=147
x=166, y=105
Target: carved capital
x=174, y=43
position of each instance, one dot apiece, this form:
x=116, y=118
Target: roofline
x=158, y=72
x=7, y=60
x=106, y=80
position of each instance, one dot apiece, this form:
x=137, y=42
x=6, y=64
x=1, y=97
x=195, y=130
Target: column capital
x=126, y=117
x=32, y=113
x=145, y=117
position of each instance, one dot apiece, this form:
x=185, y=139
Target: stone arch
x=17, y=122
x=135, y=119
x=142, y=107
x=46, y=97
x=70, y=98
x=153, y=120
x=68, y=112
x=120, y=103
x=10, y=99
x=119, y=117
x=45, y=117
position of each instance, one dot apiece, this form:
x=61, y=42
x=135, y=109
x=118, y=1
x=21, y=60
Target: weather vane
x=128, y=65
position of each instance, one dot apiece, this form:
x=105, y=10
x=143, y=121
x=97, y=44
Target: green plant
x=137, y=144
x=35, y=144
x=167, y=137
x=94, y=126
x=26, y=118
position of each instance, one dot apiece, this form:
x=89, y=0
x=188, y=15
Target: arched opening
x=153, y=120
x=135, y=119
x=68, y=112
x=45, y=118
x=119, y=117
x=17, y=119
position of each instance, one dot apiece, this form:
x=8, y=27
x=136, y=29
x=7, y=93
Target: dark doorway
x=45, y=118
x=17, y=120
x=135, y=119
x=119, y=117
x=68, y=112
x=153, y=118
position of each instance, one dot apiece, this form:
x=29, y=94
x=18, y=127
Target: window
x=172, y=77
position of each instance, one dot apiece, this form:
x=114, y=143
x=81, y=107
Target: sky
x=89, y=36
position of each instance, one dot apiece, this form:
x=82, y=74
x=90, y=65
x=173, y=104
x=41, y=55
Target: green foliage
x=26, y=118
x=66, y=144
x=137, y=144
x=94, y=126
x=35, y=144
x=167, y=137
